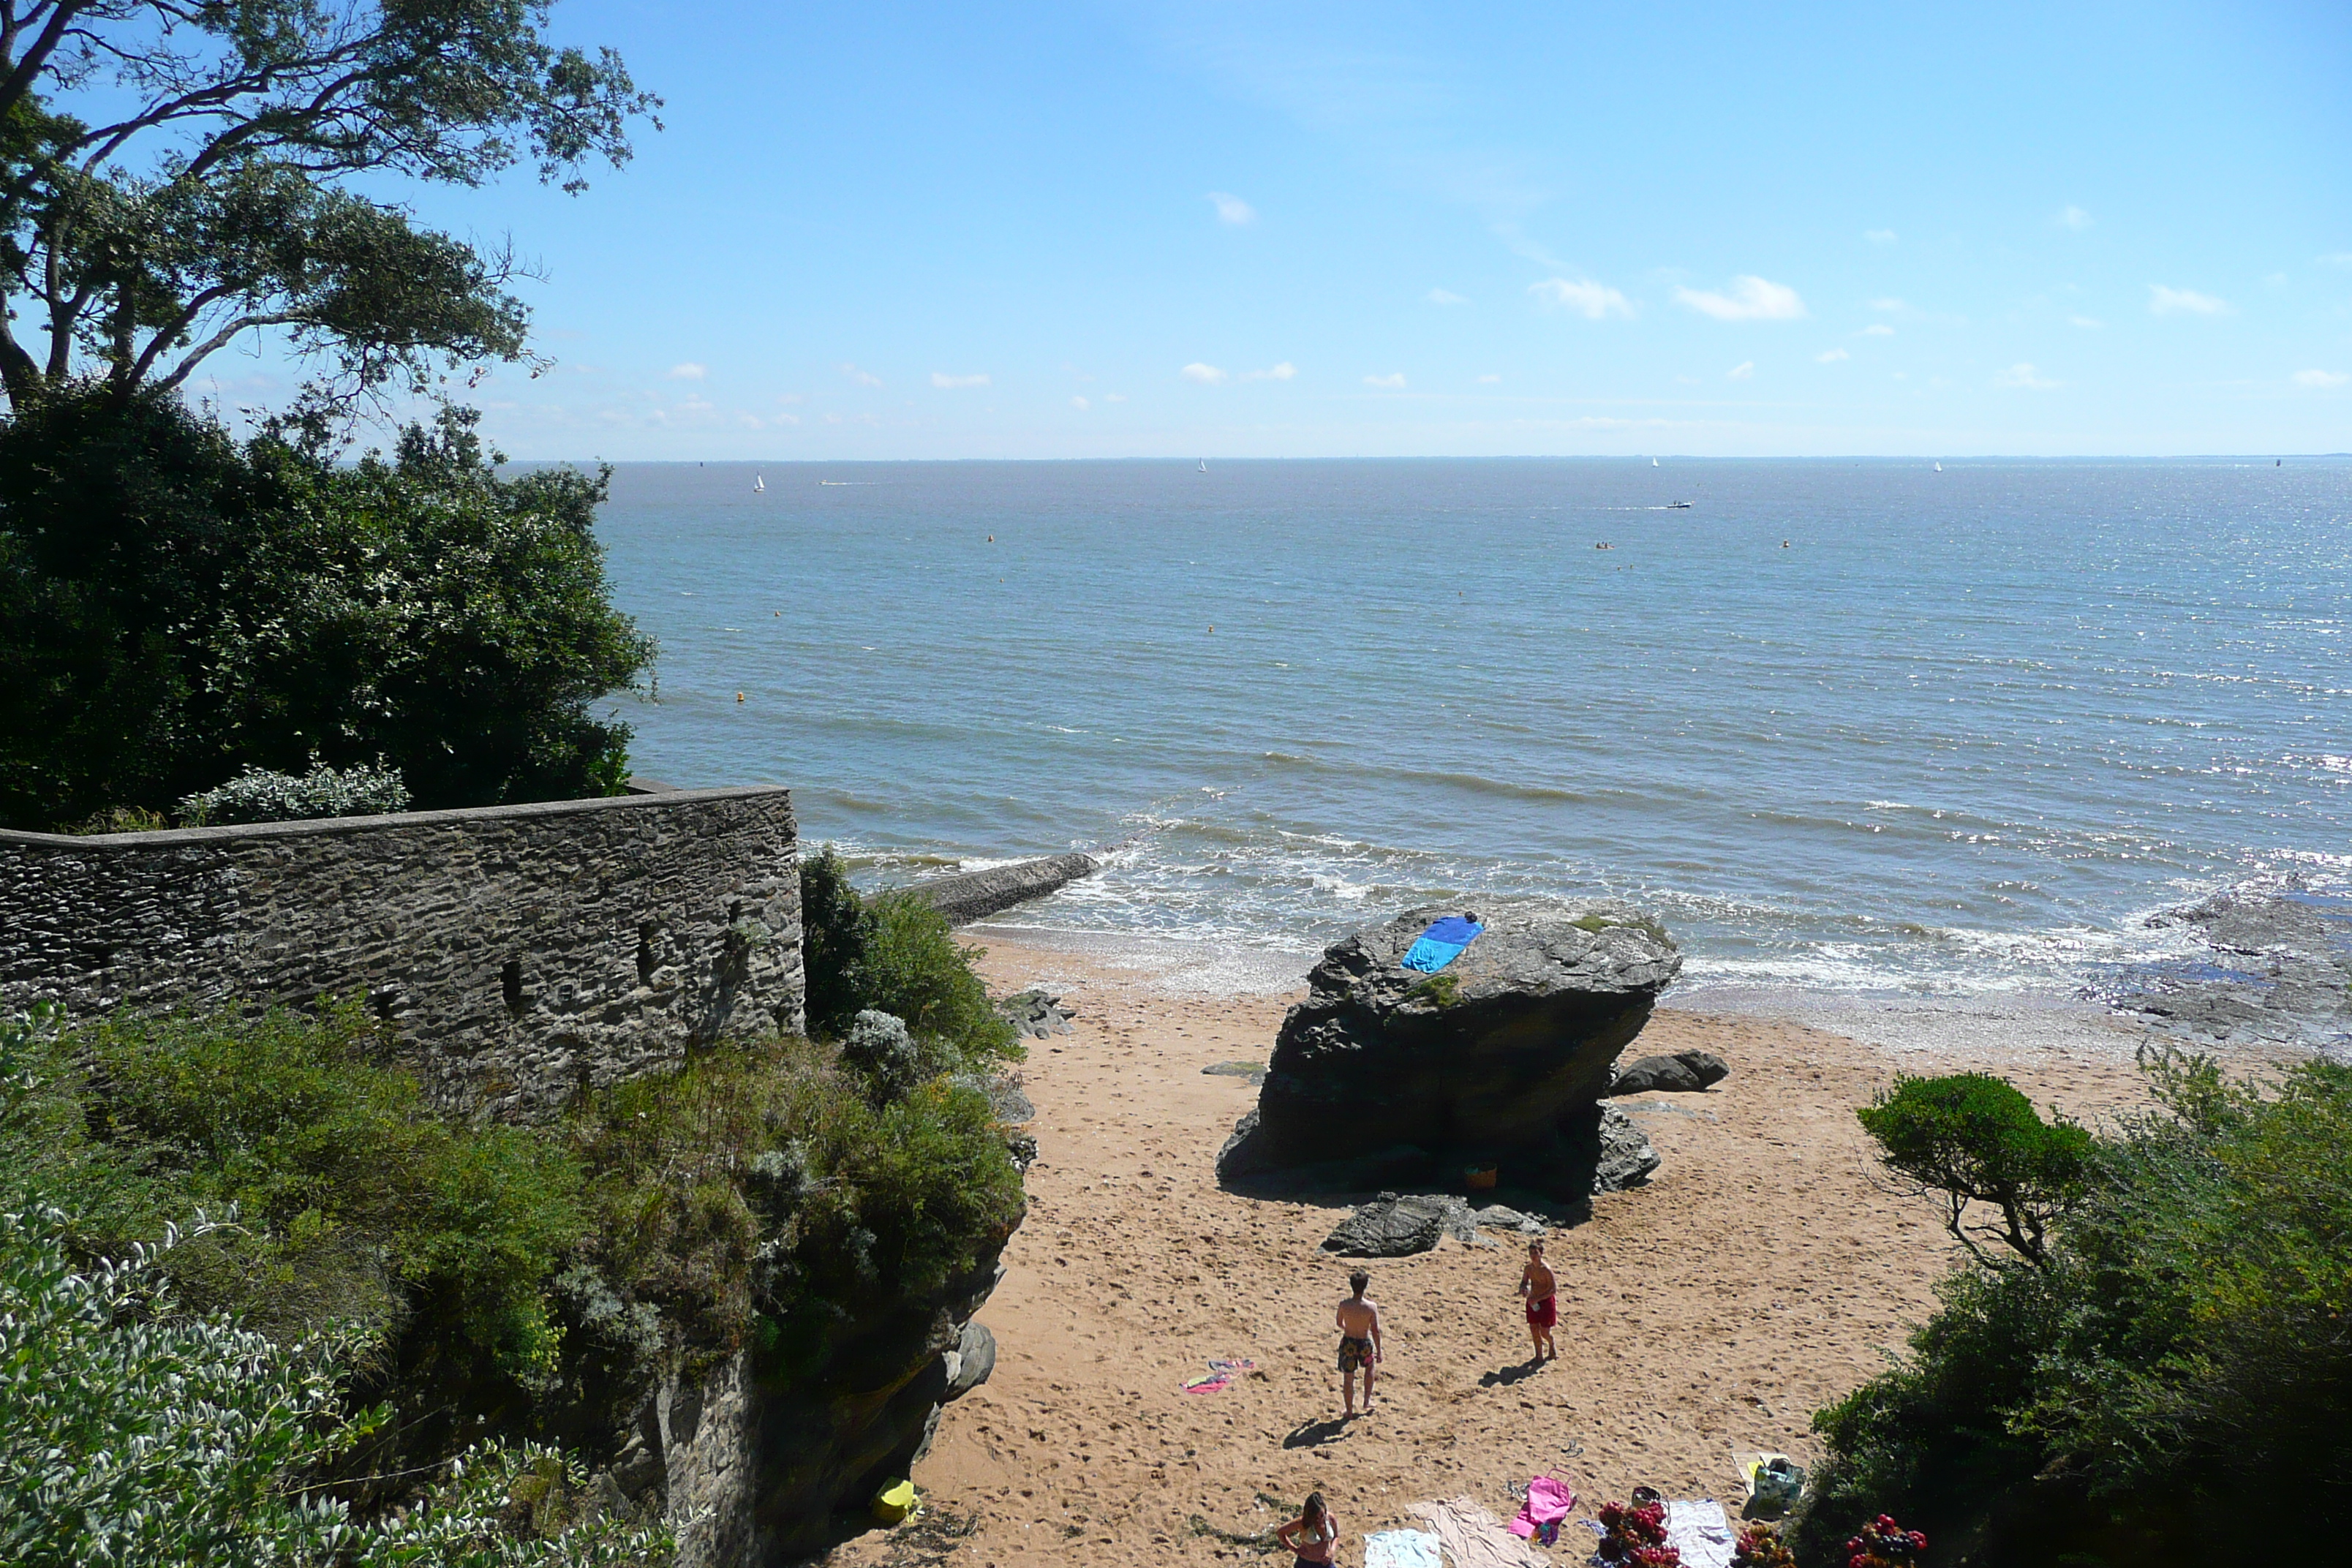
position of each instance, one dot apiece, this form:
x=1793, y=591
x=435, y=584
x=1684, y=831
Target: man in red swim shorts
x=1536, y=1285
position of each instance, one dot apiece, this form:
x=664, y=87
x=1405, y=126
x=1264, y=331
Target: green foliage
x=894, y=953
x=764, y=1181
x=258, y=795
x=479, y=1277
x=121, y=819
x=1974, y=1139
x=2180, y=1362
x=1438, y=990
x=175, y=607
x=354, y=1201
x=143, y=1435
x=210, y=196
x=834, y=930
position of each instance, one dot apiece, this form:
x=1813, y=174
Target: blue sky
x=1265, y=229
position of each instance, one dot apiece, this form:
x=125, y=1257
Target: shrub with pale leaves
x=257, y=795
x=136, y=1436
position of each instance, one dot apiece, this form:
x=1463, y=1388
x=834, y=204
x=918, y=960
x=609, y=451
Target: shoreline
x=1892, y=1019
x=1764, y=1271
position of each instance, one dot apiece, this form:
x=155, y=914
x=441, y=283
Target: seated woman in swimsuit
x=1314, y=1536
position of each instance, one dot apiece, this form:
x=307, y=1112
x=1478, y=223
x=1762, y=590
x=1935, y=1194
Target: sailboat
x=1204, y=465
x=1939, y=467
x=1653, y=462
x=758, y=483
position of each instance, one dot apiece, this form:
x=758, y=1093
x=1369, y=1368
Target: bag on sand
x=1776, y=1483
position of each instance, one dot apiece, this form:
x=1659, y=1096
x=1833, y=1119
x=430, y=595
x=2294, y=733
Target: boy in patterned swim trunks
x=1359, y=1340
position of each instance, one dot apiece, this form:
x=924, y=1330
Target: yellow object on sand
x=892, y=1504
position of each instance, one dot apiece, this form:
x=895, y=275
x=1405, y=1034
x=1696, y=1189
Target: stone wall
x=524, y=950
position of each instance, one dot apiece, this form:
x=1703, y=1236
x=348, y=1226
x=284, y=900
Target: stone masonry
x=524, y=950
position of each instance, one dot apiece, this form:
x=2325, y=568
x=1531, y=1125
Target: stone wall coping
x=324, y=827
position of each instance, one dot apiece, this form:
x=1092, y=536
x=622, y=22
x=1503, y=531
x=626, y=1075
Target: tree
x=175, y=607
x=205, y=197
x=1972, y=1138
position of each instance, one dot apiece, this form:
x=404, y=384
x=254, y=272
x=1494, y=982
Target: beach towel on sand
x=1548, y=1500
x=1442, y=943
x=1700, y=1532
x=1401, y=1549
x=1221, y=1373
x=1473, y=1538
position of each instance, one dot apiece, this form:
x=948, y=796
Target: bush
x=176, y=606
x=894, y=953
x=765, y=1182
x=138, y=1435
x=357, y=1205
x=2178, y=1363
x=489, y=1278
x=1974, y=1139
x=258, y=795
x=834, y=931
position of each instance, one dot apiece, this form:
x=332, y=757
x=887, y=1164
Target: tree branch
x=223, y=338
x=18, y=83
x=170, y=331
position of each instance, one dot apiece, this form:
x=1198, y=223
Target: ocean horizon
x=1858, y=730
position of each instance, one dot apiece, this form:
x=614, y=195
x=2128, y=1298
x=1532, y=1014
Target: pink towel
x=1548, y=1500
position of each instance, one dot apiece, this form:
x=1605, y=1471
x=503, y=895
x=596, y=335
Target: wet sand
x=1763, y=1272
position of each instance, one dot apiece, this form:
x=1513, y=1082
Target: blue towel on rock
x=1442, y=943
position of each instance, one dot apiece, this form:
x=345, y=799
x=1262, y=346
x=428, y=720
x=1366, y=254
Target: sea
x=1879, y=741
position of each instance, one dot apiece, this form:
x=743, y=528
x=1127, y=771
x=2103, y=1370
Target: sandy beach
x=1762, y=1273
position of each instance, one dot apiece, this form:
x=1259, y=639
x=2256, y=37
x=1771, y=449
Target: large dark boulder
x=1684, y=1072
x=1501, y=1056
x=1393, y=1227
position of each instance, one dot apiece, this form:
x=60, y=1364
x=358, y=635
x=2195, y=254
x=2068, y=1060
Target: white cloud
x=862, y=377
x=1230, y=208
x=1889, y=305
x=1392, y=382
x=2073, y=218
x=1878, y=330
x=2337, y=258
x=1880, y=236
x=689, y=371
x=1751, y=300
x=947, y=383
x=1831, y=356
x=1206, y=375
x=2166, y=301
x=1744, y=371
x=2319, y=378
x=1445, y=297
x=2275, y=280
x=1283, y=371
x=2023, y=374
x=2091, y=323
x=1490, y=381
x=1113, y=397
x=1592, y=301
x=1080, y=402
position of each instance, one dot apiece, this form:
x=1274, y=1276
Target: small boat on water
x=758, y=483
x=1678, y=506
x=1204, y=465
x=1653, y=462
x=1939, y=467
